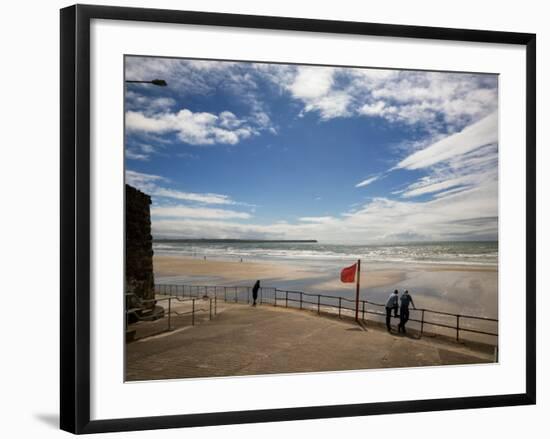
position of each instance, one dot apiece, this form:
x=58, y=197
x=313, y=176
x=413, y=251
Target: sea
x=461, y=252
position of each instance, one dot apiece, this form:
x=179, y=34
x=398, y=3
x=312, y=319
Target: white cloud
x=314, y=86
x=436, y=100
x=193, y=128
x=151, y=184
x=317, y=219
x=140, y=179
x=426, y=186
x=206, y=198
x=377, y=108
x=456, y=163
x=203, y=77
x=467, y=215
x=137, y=101
x=139, y=151
x=133, y=155
x=367, y=181
x=470, y=138
x=311, y=83
x=197, y=212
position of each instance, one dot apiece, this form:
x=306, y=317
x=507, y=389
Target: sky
x=342, y=155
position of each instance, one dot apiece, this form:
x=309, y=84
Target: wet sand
x=220, y=271
x=226, y=272
x=471, y=289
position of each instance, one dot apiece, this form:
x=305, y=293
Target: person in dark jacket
x=405, y=300
x=391, y=305
x=255, y=289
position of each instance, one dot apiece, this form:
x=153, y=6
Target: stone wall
x=139, y=244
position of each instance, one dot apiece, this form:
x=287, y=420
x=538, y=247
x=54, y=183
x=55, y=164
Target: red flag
x=348, y=274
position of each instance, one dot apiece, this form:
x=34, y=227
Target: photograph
x=287, y=218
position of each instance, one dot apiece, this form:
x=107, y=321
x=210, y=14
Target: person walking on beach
x=255, y=289
x=391, y=305
x=406, y=300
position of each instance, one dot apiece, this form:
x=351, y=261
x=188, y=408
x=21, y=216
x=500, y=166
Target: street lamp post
x=159, y=82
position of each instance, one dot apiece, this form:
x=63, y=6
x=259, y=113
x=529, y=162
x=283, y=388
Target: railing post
x=225, y=294
x=286, y=299
x=457, y=326
x=301, y=300
x=261, y=295
x=339, y=307
x=275, y=297
x=363, y=311
x=169, y=313
x=215, y=305
x=247, y=294
x=422, y=324
x=193, y=313
x=319, y=304
x=210, y=299
x=235, y=294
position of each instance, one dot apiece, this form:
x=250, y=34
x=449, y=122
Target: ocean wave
x=447, y=253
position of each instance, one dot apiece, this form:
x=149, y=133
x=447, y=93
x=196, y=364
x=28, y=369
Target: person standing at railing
x=406, y=300
x=391, y=305
x=255, y=289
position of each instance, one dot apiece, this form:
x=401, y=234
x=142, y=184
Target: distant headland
x=240, y=241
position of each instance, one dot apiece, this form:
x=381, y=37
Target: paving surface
x=246, y=340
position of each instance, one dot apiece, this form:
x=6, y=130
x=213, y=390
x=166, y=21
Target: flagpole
x=357, y=290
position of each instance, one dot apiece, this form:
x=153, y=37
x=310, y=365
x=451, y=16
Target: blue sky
x=351, y=155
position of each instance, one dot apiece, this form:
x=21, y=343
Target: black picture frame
x=75, y=217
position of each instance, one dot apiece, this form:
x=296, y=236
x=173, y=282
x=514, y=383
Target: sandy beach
x=450, y=288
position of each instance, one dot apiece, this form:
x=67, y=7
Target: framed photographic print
x=305, y=218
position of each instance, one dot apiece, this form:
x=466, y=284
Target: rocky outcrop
x=139, y=245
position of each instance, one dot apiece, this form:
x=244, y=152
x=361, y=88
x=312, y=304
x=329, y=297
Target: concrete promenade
x=246, y=340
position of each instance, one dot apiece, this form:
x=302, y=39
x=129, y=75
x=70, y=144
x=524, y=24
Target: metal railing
x=336, y=305
x=137, y=312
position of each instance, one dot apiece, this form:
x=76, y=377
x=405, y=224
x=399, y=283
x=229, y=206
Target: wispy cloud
x=137, y=101
x=468, y=215
x=197, y=212
x=140, y=179
x=367, y=181
x=152, y=184
x=206, y=198
x=317, y=219
x=470, y=138
x=456, y=163
x=133, y=155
